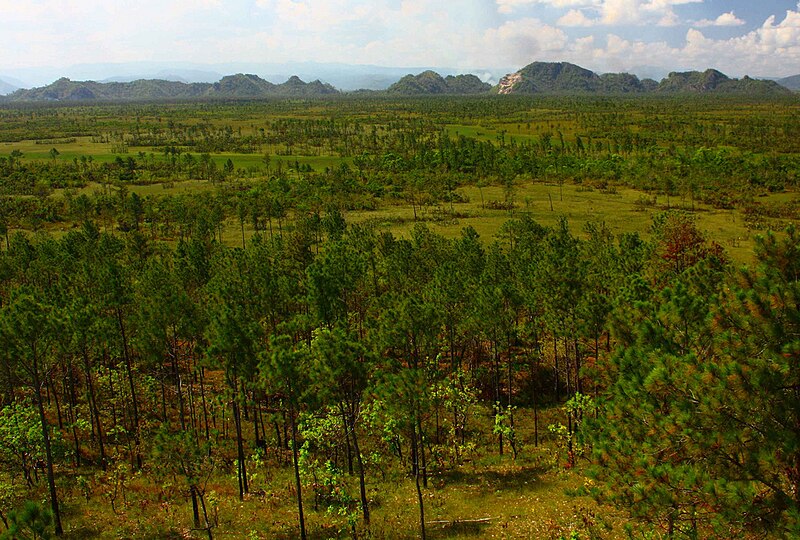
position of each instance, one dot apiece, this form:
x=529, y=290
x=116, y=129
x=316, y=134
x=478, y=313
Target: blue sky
x=755, y=37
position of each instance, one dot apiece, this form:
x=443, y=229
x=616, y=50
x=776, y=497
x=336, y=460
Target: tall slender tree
x=28, y=331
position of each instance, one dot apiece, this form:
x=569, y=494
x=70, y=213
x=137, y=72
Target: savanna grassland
x=375, y=317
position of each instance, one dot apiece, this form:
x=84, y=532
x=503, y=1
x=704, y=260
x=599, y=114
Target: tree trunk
x=535, y=404
x=241, y=467
x=423, y=463
x=195, y=507
x=203, y=398
x=134, y=402
x=73, y=405
x=173, y=353
x=421, y=507
x=578, y=383
x=51, y=480
x=555, y=368
x=51, y=390
x=111, y=390
x=361, y=480
x=568, y=368
x=94, y=408
x=347, y=442
x=297, y=474
x=193, y=420
x=256, y=434
x=414, y=451
x=496, y=384
x=205, y=514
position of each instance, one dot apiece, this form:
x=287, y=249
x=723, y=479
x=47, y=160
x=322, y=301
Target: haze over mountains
x=535, y=78
x=6, y=87
x=792, y=83
x=345, y=77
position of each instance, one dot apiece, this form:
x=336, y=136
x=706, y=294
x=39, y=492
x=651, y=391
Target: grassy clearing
x=40, y=150
x=626, y=210
x=103, y=152
x=623, y=211
x=523, y=131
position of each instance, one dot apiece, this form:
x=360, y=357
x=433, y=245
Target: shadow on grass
x=516, y=478
x=456, y=530
x=82, y=532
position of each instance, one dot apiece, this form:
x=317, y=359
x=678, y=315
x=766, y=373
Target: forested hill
x=430, y=82
x=563, y=77
x=712, y=80
x=232, y=86
x=566, y=78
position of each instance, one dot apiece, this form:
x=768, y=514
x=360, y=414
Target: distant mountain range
x=177, y=75
x=6, y=88
x=792, y=83
x=240, y=86
x=345, y=77
x=535, y=78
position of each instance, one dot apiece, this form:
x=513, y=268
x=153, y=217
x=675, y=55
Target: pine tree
x=28, y=331
x=284, y=371
x=699, y=429
x=644, y=439
x=752, y=401
x=340, y=371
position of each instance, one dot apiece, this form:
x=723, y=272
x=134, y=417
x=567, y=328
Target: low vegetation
x=398, y=318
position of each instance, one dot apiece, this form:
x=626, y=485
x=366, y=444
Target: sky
x=738, y=37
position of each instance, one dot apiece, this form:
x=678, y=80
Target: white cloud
x=413, y=8
x=508, y=6
x=669, y=19
x=388, y=32
x=522, y=41
x=576, y=17
x=771, y=50
x=305, y=15
x=641, y=12
x=607, y=12
x=726, y=19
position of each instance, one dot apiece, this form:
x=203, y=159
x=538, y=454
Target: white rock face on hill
x=507, y=83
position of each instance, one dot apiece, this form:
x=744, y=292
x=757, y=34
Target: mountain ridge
x=430, y=82
x=792, y=83
x=238, y=86
x=343, y=76
x=534, y=79
x=563, y=77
